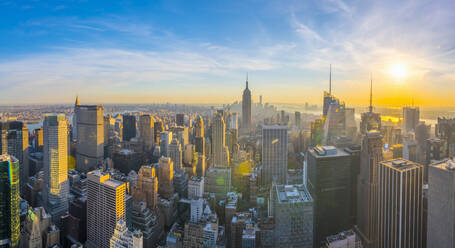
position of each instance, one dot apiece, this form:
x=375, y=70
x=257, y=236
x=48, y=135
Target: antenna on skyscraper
x=371, y=93
x=247, y=80
x=330, y=80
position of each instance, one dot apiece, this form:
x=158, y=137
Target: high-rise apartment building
x=274, y=154
x=146, y=131
x=329, y=182
x=292, y=208
x=441, y=204
x=105, y=207
x=370, y=155
x=129, y=127
x=219, y=142
x=246, y=108
x=56, y=184
x=400, y=204
x=165, y=178
x=9, y=201
x=90, y=137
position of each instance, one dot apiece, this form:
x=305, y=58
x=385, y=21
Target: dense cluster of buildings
x=244, y=175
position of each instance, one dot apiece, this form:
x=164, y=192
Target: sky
x=200, y=51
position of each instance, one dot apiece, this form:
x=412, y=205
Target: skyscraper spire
x=77, y=101
x=330, y=80
x=371, y=93
x=247, y=80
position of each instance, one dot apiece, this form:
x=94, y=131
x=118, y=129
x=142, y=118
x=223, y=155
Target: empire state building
x=246, y=107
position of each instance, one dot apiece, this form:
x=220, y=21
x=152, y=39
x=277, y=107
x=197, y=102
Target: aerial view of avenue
x=227, y=124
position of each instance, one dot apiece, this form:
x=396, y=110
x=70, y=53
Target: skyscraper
x=105, y=207
x=411, y=117
x=199, y=127
x=74, y=120
x=165, y=178
x=3, y=137
x=370, y=156
x=274, y=154
x=370, y=120
x=400, y=204
x=441, y=204
x=292, y=208
x=124, y=238
x=246, y=108
x=180, y=120
x=175, y=153
x=146, y=131
x=219, y=141
x=9, y=201
x=56, y=184
x=146, y=188
x=329, y=183
x=129, y=127
x=90, y=137
x=18, y=147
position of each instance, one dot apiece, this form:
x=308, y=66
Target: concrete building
x=400, y=204
x=146, y=131
x=441, y=204
x=147, y=222
x=346, y=239
x=331, y=192
x=370, y=155
x=274, y=154
x=56, y=184
x=105, y=207
x=175, y=154
x=292, y=208
x=90, y=137
x=124, y=238
x=165, y=141
x=9, y=201
x=219, y=142
x=165, y=178
x=19, y=148
x=146, y=188
x=195, y=187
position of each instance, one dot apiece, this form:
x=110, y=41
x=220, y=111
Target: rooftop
x=293, y=193
x=445, y=164
x=327, y=151
x=401, y=164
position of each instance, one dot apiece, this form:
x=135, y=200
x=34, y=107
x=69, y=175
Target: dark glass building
x=9, y=201
x=129, y=127
x=329, y=183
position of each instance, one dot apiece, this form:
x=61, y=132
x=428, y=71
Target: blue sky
x=200, y=51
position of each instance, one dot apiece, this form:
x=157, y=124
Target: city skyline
x=173, y=51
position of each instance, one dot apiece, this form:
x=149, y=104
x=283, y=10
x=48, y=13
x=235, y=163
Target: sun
x=398, y=70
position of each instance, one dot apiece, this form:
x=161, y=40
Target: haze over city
x=200, y=52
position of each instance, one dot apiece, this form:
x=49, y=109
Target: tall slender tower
x=219, y=141
x=56, y=186
x=370, y=120
x=74, y=119
x=9, y=201
x=246, y=107
x=370, y=155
